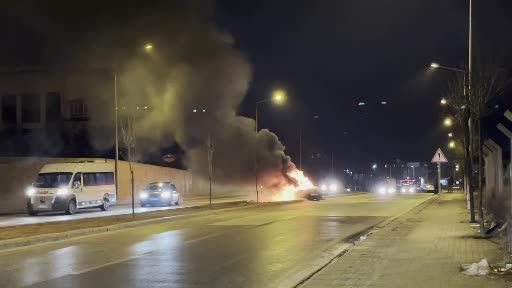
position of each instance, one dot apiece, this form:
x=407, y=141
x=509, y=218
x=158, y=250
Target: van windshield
x=159, y=186
x=52, y=180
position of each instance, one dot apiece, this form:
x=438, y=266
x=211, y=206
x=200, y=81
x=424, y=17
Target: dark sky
x=330, y=55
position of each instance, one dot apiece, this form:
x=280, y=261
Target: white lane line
x=108, y=264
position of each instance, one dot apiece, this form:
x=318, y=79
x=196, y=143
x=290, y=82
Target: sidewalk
x=423, y=248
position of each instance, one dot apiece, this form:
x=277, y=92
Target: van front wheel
x=106, y=205
x=31, y=212
x=71, y=207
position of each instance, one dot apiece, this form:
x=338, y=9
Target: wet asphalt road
x=255, y=247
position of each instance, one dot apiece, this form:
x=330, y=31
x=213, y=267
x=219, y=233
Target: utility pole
x=332, y=163
x=117, y=137
x=210, y=164
x=300, y=148
x=256, y=170
x=439, y=189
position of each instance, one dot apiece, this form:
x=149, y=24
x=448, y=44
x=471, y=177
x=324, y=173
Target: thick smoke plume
x=194, y=66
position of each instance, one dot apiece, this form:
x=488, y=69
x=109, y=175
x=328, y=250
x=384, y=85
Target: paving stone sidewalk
x=423, y=248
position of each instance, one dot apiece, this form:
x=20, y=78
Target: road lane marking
x=108, y=264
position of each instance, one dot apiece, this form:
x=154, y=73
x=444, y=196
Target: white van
x=69, y=186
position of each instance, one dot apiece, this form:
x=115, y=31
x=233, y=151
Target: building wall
x=50, y=107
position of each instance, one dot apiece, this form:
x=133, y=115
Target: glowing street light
x=443, y=101
x=374, y=166
x=448, y=122
x=434, y=65
x=148, y=47
x=451, y=144
x=450, y=134
x=278, y=98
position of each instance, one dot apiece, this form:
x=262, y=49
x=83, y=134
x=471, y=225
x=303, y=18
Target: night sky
x=329, y=56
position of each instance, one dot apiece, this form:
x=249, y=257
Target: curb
x=17, y=243
x=344, y=248
x=422, y=205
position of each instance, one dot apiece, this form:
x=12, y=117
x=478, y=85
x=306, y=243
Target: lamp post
x=278, y=97
x=148, y=48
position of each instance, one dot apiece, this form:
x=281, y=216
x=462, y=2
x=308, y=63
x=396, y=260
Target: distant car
x=160, y=193
x=384, y=189
x=426, y=187
x=314, y=195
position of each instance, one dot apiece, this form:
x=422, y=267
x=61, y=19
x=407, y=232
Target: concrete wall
x=17, y=173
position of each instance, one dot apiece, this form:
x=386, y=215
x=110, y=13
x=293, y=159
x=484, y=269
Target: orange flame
x=289, y=191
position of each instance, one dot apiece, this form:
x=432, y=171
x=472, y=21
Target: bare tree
x=467, y=105
x=128, y=138
x=459, y=104
x=486, y=84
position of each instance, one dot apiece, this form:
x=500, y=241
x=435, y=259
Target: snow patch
x=476, y=269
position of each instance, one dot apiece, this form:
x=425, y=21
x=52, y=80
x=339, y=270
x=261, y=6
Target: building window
x=30, y=108
x=8, y=108
x=78, y=110
x=53, y=111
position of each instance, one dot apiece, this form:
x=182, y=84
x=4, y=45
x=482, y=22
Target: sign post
x=439, y=158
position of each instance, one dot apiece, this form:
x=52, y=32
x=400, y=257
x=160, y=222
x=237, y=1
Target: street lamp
x=374, y=166
x=148, y=47
x=448, y=122
x=451, y=144
x=443, y=101
x=435, y=65
x=450, y=134
x=278, y=98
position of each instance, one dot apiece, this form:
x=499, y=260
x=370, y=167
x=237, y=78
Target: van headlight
x=382, y=190
x=323, y=187
x=30, y=191
x=143, y=195
x=62, y=191
x=166, y=194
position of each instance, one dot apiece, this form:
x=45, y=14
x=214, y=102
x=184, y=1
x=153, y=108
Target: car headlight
x=412, y=190
x=391, y=190
x=323, y=187
x=403, y=190
x=62, y=191
x=333, y=187
x=166, y=194
x=382, y=190
x=143, y=195
x=30, y=191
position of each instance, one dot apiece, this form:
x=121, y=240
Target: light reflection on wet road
x=257, y=247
